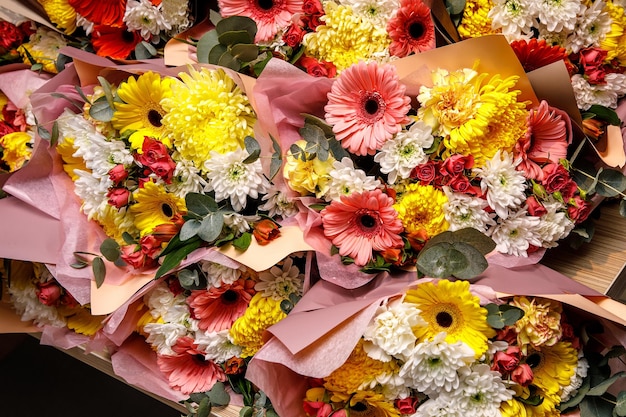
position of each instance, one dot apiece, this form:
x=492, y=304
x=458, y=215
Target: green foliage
x=191, y=279
x=500, y=316
x=277, y=159
x=243, y=242
x=260, y=408
x=145, y=50
x=253, y=148
x=200, y=404
x=320, y=141
x=288, y=304
x=599, y=112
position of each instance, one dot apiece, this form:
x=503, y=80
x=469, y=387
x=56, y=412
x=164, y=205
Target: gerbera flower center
x=167, y=210
x=533, y=360
x=416, y=30
x=372, y=106
x=265, y=4
x=128, y=37
x=444, y=319
x=199, y=359
x=367, y=222
x=154, y=117
x=230, y=297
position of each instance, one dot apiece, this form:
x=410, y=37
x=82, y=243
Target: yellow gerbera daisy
x=450, y=307
x=141, y=107
x=155, y=206
x=553, y=367
x=367, y=404
x=3, y=102
x=61, y=14
x=345, y=39
x=15, y=150
x=82, y=322
x=475, y=22
x=247, y=331
x=420, y=208
x=475, y=116
x=207, y=112
x=615, y=41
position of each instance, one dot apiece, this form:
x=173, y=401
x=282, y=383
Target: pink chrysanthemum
x=411, y=30
x=361, y=223
x=366, y=107
x=547, y=138
x=270, y=15
x=217, y=308
x=188, y=371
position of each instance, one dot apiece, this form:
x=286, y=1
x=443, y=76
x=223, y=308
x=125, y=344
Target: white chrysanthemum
x=503, y=184
x=513, y=17
x=515, y=234
x=345, y=180
x=378, y=12
x=558, y=15
x=389, y=384
x=160, y=299
x=162, y=336
x=278, y=283
x=28, y=307
x=278, y=203
x=554, y=225
x=218, y=346
x=93, y=192
x=591, y=27
x=440, y=406
x=87, y=25
x=231, y=179
x=218, y=274
x=144, y=17
x=481, y=391
x=576, y=381
x=602, y=94
x=238, y=223
x=432, y=365
x=390, y=332
x=399, y=155
x=187, y=178
x=462, y=210
x=176, y=14
x=179, y=313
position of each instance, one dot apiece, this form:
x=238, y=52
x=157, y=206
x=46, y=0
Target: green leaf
x=61, y=61
x=99, y=271
x=200, y=204
x=101, y=110
x=190, y=280
x=229, y=61
x=218, y=394
x=144, y=50
x=312, y=134
x=313, y=120
x=108, y=91
x=224, y=239
x=43, y=132
x=245, y=52
x=235, y=37
x=128, y=238
x=205, y=44
x=603, y=113
x=243, y=242
x=474, y=264
x=500, y=316
x=620, y=405
x=211, y=226
x=110, y=249
x=277, y=159
x=468, y=235
x=237, y=23
x=214, y=17
x=576, y=399
x=190, y=229
x=440, y=260
x=54, y=135
x=610, y=183
x=455, y=6
x=595, y=407
x=622, y=208
x=253, y=148
x=216, y=52
x=204, y=408
x=602, y=387
x=174, y=258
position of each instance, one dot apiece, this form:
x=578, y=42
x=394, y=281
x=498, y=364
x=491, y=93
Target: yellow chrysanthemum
x=311, y=176
x=155, y=206
x=207, y=112
x=115, y=222
x=475, y=116
x=247, y=331
x=358, y=372
x=367, y=404
x=141, y=107
x=3, y=102
x=475, y=22
x=66, y=149
x=61, y=14
x=450, y=307
x=615, y=41
x=420, y=208
x=345, y=39
x=15, y=150
x=82, y=322
x=43, y=47
x=541, y=323
x=553, y=367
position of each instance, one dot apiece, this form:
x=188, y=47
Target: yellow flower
x=513, y=408
x=82, y=322
x=140, y=108
x=357, y=373
x=547, y=407
x=420, y=208
x=367, y=404
x=3, y=102
x=66, y=149
x=115, y=222
x=475, y=116
x=553, y=366
x=61, y=14
x=345, y=39
x=615, y=41
x=43, y=47
x=155, y=206
x=247, y=331
x=207, y=112
x=450, y=307
x=475, y=22
x=14, y=149
x=311, y=176
x=541, y=324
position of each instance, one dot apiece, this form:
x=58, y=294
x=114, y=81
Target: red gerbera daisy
x=217, y=308
x=101, y=12
x=116, y=43
x=535, y=53
x=269, y=15
x=361, y=223
x=411, y=30
x=366, y=107
x=187, y=370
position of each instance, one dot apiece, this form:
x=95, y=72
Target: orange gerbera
x=101, y=12
x=112, y=42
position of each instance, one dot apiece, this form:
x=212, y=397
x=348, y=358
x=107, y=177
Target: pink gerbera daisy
x=270, y=15
x=411, y=30
x=548, y=135
x=366, y=107
x=187, y=370
x=217, y=308
x=361, y=223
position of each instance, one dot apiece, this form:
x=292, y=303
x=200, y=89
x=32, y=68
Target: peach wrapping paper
x=326, y=324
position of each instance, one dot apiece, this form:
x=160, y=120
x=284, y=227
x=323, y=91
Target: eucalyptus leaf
x=144, y=50
x=211, y=226
x=602, y=387
x=310, y=119
x=174, y=258
x=214, y=17
x=99, y=271
x=610, y=183
x=128, y=238
x=312, y=134
x=467, y=235
x=216, y=52
x=277, y=159
x=439, y=261
x=61, y=61
x=218, y=394
x=108, y=90
x=253, y=148
x=455, y=6
x=205, y=44
x=245, y=52
x=43, y=132
x=101, y=110
x=620, y=405
x=235, y=37
x=110, y=249
x=229, y=61
x=190, y=229
x=190, y=280
x=595, y=407
x=474, y=265
x=237, y=23
x=200, y=204
x=585, y=175
x=204, y=408
x=54, y=135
